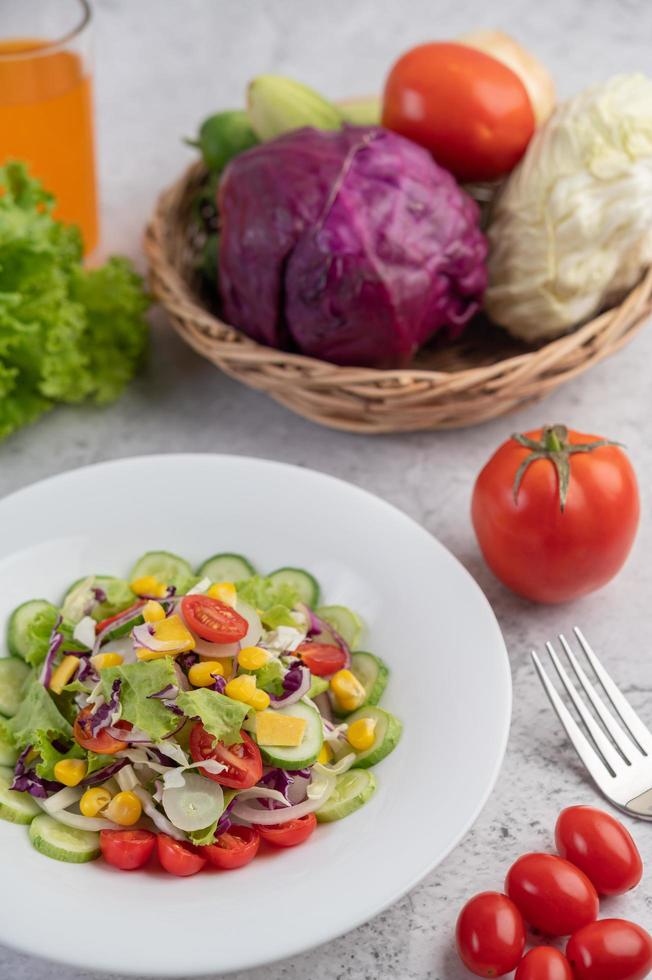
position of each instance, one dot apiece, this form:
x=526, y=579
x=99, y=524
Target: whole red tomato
x=490, y=935
x=470, y=110
x=551, y=894
x=555, y=513
x=601, y=846
x=611, y=949
x=544, y=963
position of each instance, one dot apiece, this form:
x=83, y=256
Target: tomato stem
x=555, y=447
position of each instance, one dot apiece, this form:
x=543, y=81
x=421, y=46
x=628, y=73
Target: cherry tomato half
x=536, y=547
x=102, y=743
x=470, y=110
x=233, y=849
x=544, y=963
x=601, y=846
x=611, y=949
x=552, y=894
x=321, y=659
x=244, y=765
x=127, y=849
x=289, y=834
x=213, y=620
x=490, y=935
x=178, y=858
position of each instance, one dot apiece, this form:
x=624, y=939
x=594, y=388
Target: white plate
x=426, y=617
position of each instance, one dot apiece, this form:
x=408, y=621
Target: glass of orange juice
x=46, y=114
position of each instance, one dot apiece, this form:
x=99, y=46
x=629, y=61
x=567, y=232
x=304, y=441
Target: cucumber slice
x=299, y=756
x=347, y=623
x=301, y=581
x=63, y=843
x=15, y=807
x=8, y=751
x=372, y=673
x=352, y=790
x=19, y=639
x=388, y=733
x=226, y=568
x=118, y=596
x=13, y=674
x=167, y=568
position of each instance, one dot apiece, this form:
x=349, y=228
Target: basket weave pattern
x=481, y=376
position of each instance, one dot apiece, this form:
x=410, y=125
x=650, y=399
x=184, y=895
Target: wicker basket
x=483, y=375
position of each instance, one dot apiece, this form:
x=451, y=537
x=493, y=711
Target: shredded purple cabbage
x=100, y=594
x=102, y=717
x=169, y=691
x=280, y=780
x=292, y=681
x=224, y=823
x=56, y=639
x=26, y=780
x=187, y=660
x=164, y=759
x=219, y=683
x=101, y=776
x=86, y=672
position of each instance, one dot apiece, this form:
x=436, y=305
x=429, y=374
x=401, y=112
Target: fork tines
x=612, y=741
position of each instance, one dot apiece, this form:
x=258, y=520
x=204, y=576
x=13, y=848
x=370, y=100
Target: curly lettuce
x=67, y=333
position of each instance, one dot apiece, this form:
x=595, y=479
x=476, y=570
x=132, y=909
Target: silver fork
x=621, y=764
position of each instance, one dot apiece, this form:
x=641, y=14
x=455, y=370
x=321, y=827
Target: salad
x=191, y=713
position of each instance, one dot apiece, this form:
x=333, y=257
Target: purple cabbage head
x=352, y=246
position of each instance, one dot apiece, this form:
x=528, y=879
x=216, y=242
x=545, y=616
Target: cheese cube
x=275, y=729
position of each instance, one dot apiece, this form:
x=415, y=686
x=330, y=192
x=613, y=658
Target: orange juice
x=46, y=120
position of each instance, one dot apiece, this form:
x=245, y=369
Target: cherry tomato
x=321, y=659
x=289, y=834
x=470, y=110
x=552, y=894
x=611, y=949
x=233, y=849
x=490, y=935
x=213, y=620
x=544, y=963
x=601, y=846
x=111, y=619
x=544, y=547
x=244, y=765
x=102, y=743
x=178, y=858
x=127, y=849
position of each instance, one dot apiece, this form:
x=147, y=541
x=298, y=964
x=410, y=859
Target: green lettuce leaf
x=38, y=635
x=66, y=333
x=269, y=677
x=50, y=755
x=38, y=714
x=272, y=600
x=200, y=838
x=138, y=681
x=221, y=716
x=97, y=762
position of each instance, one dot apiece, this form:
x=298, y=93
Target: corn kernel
x=108, y=659
x=325, y=754
x=361, y=734
x=94, y=800
x=260, y=700
x=63, y=673
x=148, y=585
x=224, y=591
x=70, y=772
x=153, y=611
x=201, y=674
x=253, y=658
x=349, y=692
x=243, y=688
x=125, y=808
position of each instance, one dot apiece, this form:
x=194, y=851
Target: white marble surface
x=163, y=65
